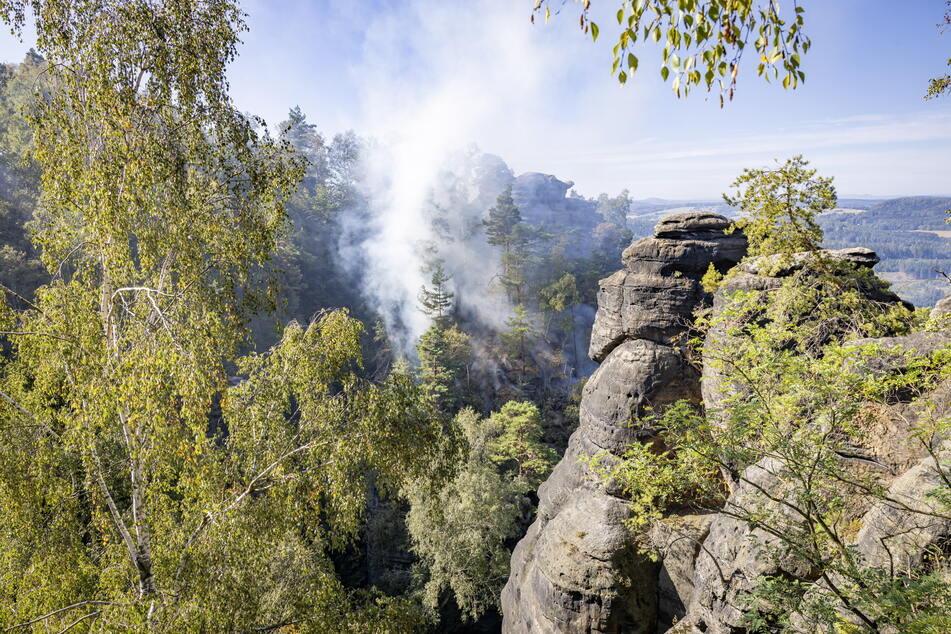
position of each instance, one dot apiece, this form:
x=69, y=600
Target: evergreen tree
x=781, y=207
x=504, y=228
x=444, y=354
x=516, y=342
x=436, y=300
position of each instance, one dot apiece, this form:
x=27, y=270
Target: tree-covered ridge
x=210, y=422
x=182, y=458
x=910, y=236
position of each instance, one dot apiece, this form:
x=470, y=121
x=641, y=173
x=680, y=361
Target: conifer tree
x=504, y=228
x=436, y=300
x=781, y=207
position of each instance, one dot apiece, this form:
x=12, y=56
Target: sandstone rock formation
x=577, y=569
x=655, y=295
x=888, y=445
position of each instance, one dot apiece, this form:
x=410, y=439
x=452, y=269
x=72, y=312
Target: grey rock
x=677, y=539
x=691, y=223
x=898, y=535
x=656, y=294
x=733, y=556
x=893, y=354
x=782, y=265
x=638, y=374
x=942, y=308
x=578, y=568
x=632, y=305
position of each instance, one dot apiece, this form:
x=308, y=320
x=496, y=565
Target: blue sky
x=451, y=73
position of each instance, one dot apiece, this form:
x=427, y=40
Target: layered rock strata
x=895, y=535
x=577, y=568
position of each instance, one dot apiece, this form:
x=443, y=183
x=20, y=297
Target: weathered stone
x=656, y=295
x=638, y=374
x=942, y=308
x=632, y=305
x=733, y=555
x=677, y=540
x=898, y=535
x=691, y=223
x=782, y=265
x=684, y=256
x=894, y=354
x=577, y=569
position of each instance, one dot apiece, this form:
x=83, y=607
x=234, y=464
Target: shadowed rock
x=578, y=569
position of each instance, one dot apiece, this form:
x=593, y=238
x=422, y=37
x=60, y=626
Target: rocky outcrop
x=577, y=569
x=942, y=308
x=887, y=445
x=654, y=297
x=543, y=202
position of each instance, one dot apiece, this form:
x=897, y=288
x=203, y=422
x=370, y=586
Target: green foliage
x=781, y=207
x=444, y=357
x=20, y=270
x=518, y=448
x=504, y=228
x=656, y=477
x=517, y=344
x=938, y=86
x=140, y=488
x=615, y=210
x=711, y=279
x=460, y=530
x=436, y=300
x=794, y=397
x=704, y=40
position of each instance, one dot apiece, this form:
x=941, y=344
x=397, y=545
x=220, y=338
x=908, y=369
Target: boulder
x=942, y=308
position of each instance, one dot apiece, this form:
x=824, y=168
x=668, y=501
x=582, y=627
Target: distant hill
x=910, y=235
x=913, y=212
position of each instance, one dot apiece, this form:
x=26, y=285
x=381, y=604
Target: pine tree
x=504, y=228
x=516, y=341
x=782, y=206
x=436, y=300
x=444, y=352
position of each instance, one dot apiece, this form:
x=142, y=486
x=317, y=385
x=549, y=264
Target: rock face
x=887, y=445
x=655, y=295
x=543, y=202
x=577, y=570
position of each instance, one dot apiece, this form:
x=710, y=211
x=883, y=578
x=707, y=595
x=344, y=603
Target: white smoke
x=435, y=77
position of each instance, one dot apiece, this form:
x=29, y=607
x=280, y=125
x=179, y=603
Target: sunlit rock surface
x=577, y=569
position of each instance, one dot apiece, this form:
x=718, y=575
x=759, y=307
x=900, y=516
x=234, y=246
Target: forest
x=239, y=393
